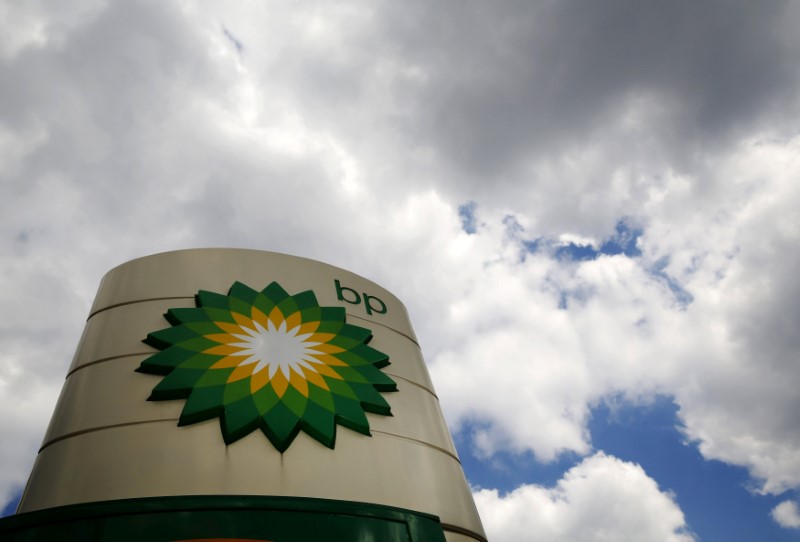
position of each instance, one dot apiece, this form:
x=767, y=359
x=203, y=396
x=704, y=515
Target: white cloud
x=786, y=514
x=600, y=499
x=733, y=253
x=726, y=357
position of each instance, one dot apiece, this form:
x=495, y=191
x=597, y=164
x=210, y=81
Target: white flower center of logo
x=277, y=348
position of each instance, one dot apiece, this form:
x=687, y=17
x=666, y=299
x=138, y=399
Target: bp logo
x=268, y=360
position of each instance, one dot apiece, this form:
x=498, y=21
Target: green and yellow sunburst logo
x=269, y=360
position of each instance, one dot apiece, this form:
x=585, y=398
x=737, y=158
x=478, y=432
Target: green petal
x=198, y=361
x=176, y=385
x=243, y=293
x=264, y=304
x=239, y=419
x=238, y=306
x=202, y=404
x=321, y=397
x=295, y=401
x=350, y=414
x=185, y=316
x=165, y=361
x=211, y=300
x=311, y=314
x=214, y=377
x=236, y=391
x=306, y=300
x=281, y=426
x=275, y=293
x=320, y=424
x=165, y=338
x=265, y=399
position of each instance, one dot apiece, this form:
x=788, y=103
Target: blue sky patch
x=710, y=493
x=624, y=241
x=505, y=471
x=467, y=214
x=577, y=253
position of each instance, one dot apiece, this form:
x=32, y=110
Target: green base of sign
x=223, y=519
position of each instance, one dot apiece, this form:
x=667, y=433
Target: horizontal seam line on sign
x=95, y=429
x=418, y=441
x=412, y=382
x=126, y=424
x=114, y=306
x=384, y=325
x=103, y=360
x=461, y=530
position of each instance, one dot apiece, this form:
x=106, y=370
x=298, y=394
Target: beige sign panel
x=267, y=377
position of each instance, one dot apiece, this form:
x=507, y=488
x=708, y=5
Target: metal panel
x=158, y=459
x=106, y=441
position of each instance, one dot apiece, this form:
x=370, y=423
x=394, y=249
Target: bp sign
x=269, y=360
x=224, y=423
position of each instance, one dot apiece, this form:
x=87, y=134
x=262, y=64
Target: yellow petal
x=293, y=321
x=259, y=317
x=259, y=380
x=327, y=371
x=327, y=348
x=242, y=371
x=227, y=327
x=314, y=377
x=276, y=316
x=298, y=382
x=229, y=361
x=243, y=320
x=327, y=359
x=320, y=337
x=308, y=327
x=223, y=350
x=222, y=338
x=279, y=383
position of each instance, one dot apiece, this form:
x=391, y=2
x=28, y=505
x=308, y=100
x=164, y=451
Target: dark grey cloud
x=511, y=80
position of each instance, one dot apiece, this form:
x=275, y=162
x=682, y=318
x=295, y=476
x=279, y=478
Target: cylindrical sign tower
x=239, y=395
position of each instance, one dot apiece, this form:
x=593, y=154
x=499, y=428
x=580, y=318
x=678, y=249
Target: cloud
x=36, y=24
x=444, y=153
x=735, y=260
x=549, y=338
x=511, y=87
x=601, y=498
x=787, y=515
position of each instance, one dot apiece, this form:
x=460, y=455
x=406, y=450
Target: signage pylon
x=228, y=394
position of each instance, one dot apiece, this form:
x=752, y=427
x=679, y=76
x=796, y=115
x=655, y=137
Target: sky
x=590, y=209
